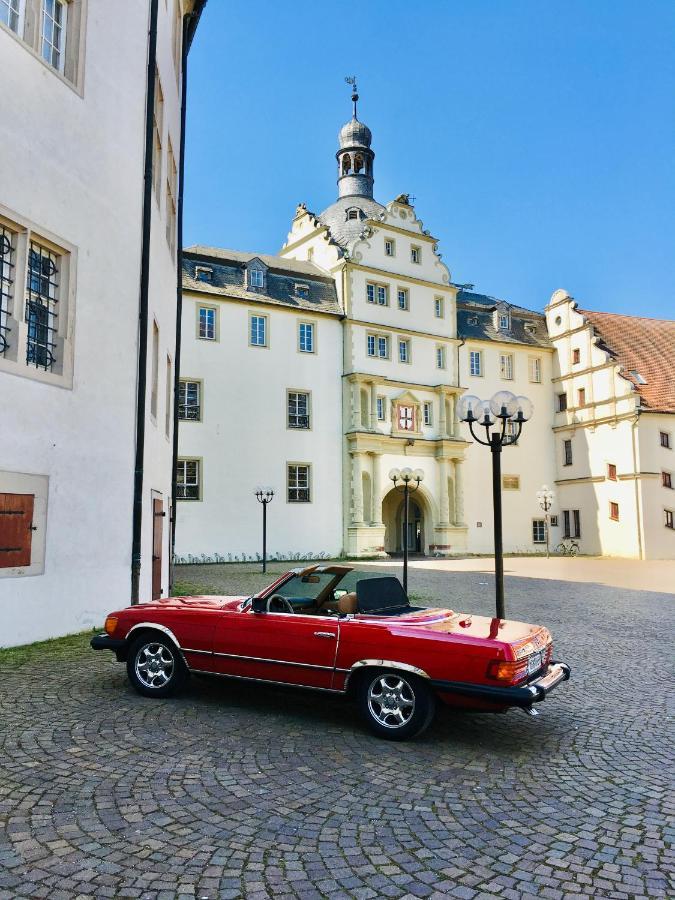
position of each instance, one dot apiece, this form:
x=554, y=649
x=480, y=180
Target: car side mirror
x=259, y=604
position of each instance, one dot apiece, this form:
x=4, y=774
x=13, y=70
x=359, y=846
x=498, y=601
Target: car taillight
x=110, y=624
x=505, y=670
x=548, y=653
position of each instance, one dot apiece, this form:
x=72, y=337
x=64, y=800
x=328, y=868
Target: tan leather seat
x=346, y=605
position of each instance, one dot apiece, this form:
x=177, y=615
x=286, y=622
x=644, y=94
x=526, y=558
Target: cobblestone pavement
x=246, y=791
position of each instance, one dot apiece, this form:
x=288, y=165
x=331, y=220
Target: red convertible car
x=333, y=628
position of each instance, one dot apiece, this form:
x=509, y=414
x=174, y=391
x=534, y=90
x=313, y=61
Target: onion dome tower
x=355, y=157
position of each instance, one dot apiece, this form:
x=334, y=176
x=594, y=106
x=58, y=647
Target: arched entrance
x=393, y=518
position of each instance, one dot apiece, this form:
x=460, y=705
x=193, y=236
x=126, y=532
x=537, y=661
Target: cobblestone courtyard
x=247, y=791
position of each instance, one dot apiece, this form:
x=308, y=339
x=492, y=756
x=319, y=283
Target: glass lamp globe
x=467, y=403
x=484, y=413
x=523, y=410
x=503, y=404
x=395, y=474
x=418, y=475
x=407, y=473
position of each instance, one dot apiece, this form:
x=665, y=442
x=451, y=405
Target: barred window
x=41, y=299
x=298, y=409
x=298, y=483
x=190, y=401
x=188, y=479
x=7, y=263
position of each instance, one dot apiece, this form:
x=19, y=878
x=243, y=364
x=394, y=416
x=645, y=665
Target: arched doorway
x=393, y=518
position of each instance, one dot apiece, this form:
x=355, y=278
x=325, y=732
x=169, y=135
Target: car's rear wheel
x=155, y=667
x=395, y=705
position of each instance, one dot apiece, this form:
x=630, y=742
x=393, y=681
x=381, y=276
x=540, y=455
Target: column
x=357, y=488
x=376, y=503
x=459, y=493
x=373, y=406
x=442, y=425
x=452, y=425
x=443, y=500
x=356, y=404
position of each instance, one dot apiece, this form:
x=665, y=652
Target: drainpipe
x=187, y=21
x=638, y=504
x=143, y=311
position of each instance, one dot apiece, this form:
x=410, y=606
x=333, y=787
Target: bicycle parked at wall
x=567, y=547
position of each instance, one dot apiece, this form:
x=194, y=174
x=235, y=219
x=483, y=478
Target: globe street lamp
x=505, y=406
x=264, y=495
x=407, y=478
x=546, y=498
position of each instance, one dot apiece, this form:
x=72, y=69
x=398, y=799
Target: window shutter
x=16, y=535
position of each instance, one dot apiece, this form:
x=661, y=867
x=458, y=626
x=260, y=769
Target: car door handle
x=324, y=634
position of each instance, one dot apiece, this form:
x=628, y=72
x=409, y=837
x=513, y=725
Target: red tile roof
x=645, y=346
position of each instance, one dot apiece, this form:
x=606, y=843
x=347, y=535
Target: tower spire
x=351, y=79
x=355, y=155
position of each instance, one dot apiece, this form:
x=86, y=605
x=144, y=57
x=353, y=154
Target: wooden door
x=16, y=529
x=157, y=542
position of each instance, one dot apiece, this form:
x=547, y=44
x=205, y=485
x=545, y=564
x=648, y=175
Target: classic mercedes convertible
x=333, y=628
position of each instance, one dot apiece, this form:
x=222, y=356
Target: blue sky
x=538, y=137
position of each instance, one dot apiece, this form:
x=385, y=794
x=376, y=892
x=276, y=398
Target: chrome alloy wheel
x=391, y=701
x=154, y=665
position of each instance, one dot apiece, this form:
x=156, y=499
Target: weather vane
x=351, y=79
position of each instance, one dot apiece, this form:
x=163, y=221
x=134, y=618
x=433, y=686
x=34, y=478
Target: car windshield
x=303, y=590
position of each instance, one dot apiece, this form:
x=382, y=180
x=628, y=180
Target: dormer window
x=255, y=274
x=503, y=322
x=502, y=318
x=204, y=273
x=530, y=327
x=352, y=214
x=255, y=278
x=302, y=291
x=472, y=320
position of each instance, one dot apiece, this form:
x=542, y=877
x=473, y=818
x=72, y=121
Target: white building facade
x=74, y=258
x=401, y=344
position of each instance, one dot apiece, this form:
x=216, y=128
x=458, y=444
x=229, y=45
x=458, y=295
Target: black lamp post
x=505, y=406
x=264, y=495
x=407, y=478
x=545, y=496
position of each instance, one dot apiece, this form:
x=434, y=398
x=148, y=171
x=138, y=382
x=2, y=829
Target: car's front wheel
x=155, y=667
x=395, y=705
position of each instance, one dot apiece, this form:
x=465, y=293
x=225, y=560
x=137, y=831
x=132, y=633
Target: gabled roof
x=475, y=321
x=644, y=348
x=283, y=277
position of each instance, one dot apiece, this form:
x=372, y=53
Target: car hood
x=203, y=601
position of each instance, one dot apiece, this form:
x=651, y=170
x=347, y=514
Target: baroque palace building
x=90, y=164
x=319, y=370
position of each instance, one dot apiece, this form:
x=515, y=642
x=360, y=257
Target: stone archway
x=420, y=523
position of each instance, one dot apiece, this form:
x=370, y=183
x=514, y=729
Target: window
x=256, y=278
x=535, y=369
x=171, y=183
x=503, y=321
x=581, y=397
x=576, y=356
x=427, y=410
x=415, y=255
x=668, y=515
x=42, y=295
x=298, y=483
x=666, y=480
x=10, y=11
x=157, y=136
x=439, y=307
x=190, y=401
x=511, y=429
x=310, y=254
x=511, y=482
x=306, y=337
x=377, y=293
x=154, y=390
x=404, y=351
x=352, y=214
x=389, y=248
x=554, y=521
x=614, y=511
x=562, y=402
x=53, y=33
x=440, y=357
x=7, y=276
x=402, y=298
x=380, y=409
x=475, y=362
x=169, y=392
x=207, y=323
x=302, y=291
x=530, y=328
x=378, y=345
x=665, y=439
x=571, y=523
x=188, y=479
x=258, y=330
x=538, y=531
x=567, y=452
x=298, y=409
x=472, y=320
x=204, y=273
x=611, y=471
x=506, y=366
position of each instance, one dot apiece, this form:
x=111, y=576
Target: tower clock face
x=406, y=418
